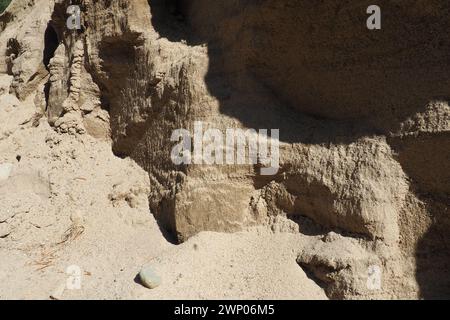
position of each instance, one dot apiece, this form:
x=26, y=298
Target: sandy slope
x=250, y=265
x=69, y=201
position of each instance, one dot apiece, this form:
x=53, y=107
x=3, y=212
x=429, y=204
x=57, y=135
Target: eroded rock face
x=363, y=119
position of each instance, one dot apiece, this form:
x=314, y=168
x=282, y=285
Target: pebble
x=149, y=278
x=5, y=171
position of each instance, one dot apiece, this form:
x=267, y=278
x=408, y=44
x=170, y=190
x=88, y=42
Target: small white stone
x=149, y=278
x=5, y=171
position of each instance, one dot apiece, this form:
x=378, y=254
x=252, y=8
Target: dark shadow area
x=51, y=44
x=425, y=157
x=433, y=252
x=318, y=64
x=169, y=235
x=121, y=69
x=307, y=226
x=168, y=18
x=137, y=280
x=47, y=94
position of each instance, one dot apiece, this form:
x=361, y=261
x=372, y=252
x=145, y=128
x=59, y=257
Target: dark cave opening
x=174, y=8
x=51, y=44
x=169, y=17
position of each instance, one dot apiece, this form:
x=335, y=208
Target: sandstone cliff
x=364, y=120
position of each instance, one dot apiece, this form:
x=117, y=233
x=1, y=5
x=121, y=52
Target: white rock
x=149, y=278
x=5, y=171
